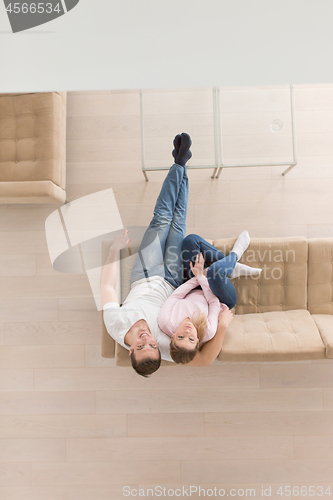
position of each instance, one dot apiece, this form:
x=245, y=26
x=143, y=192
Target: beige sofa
x=286, y=314
x=33, y=148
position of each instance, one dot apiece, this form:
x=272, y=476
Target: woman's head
x=187, y=339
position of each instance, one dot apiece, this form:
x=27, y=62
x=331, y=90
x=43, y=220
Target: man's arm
x=212, y=348
x=109, y=272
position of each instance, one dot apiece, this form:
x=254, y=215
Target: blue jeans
x=219, y=267
x=161, y=246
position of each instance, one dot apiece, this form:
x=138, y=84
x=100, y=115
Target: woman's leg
x=194, y=245
x=150, y=258
x=219, y=283
x=219, y=267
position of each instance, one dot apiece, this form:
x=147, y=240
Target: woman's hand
x=198, y=268
x=225, y=317
x=121, y=241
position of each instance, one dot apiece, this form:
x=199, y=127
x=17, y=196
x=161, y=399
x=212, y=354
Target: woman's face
x=186, y=335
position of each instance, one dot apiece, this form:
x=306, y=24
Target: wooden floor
x=74, y=426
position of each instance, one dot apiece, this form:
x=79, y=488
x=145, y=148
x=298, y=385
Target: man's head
x=184, y=343
x=144, y=352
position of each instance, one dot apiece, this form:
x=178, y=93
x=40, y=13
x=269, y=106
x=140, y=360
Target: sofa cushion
x=320, y=282
x=324, y=324
x=272, y=336
x=282, y=285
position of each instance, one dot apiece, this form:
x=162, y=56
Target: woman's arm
x=212, y=348
x=214, y=308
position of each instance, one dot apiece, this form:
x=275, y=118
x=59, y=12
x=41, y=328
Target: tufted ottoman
x=33, y=148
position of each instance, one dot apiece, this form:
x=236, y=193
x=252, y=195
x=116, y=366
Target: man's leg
x=173, y=262
x=149, y=261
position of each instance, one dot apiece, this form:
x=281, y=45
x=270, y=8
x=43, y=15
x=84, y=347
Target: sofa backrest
x=282, y=285
x=33, y=135
x=320, y=281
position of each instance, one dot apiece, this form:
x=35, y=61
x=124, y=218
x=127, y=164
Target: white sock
x=241, y=244
x=243, y=270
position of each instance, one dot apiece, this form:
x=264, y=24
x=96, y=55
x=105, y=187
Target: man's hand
x=225, y=317
x=198, y=268
x=120, y=241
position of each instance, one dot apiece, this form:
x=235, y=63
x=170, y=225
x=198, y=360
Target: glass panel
x=256, y=125
x=169, y=112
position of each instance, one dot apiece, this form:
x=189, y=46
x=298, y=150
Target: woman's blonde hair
x=199, y=320
x=182, y=355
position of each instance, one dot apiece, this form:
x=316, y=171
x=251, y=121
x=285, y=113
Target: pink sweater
x=184, y=301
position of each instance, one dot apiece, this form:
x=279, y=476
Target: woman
x=190, y=315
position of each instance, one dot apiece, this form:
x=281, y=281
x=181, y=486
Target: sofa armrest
x=324, y=324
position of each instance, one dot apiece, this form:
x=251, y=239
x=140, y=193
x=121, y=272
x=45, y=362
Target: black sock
x=176, y=143
x=184, y=151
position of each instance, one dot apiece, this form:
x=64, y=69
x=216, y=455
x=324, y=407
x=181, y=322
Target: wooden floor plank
x=216, y=400
x=130, y=472
x=285, y=423
x=41, y=356
x=52, y=333
x=63, y=492
x=180, y=448
x=62, y=426
x=15, y=474
x=16, y=380
x=33, y=450
x=270, y=471
x=47, y=403
x=26, y=309
x=213, y=377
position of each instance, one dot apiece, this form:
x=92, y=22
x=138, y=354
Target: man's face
x=144, y=344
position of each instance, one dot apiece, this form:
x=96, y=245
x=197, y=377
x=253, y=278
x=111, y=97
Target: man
x=156, y=273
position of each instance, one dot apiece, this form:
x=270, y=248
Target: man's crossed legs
x=160, y=252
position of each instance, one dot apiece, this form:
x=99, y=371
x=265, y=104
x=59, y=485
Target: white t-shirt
x=144, y=301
